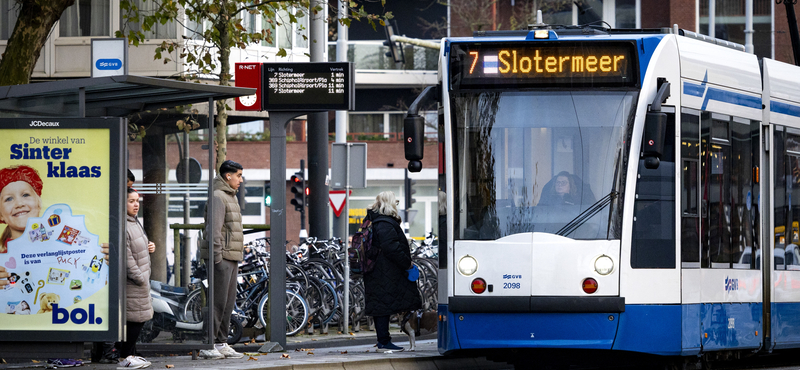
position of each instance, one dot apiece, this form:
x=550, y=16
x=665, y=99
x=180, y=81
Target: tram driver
x=566, y=189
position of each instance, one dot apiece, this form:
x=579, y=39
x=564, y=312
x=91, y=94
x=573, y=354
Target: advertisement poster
x=55, y=185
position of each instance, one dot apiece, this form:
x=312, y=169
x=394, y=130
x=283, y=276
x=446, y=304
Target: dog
x=416, y=323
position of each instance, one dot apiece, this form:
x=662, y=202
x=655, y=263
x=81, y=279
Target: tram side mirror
x=655, y=131
x=414, y=140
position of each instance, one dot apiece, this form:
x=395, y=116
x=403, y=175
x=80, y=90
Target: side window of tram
x=690, y=188
x=787, y=202
x=653, y=234
x=728, y=195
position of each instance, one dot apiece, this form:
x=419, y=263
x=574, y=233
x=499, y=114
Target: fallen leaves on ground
x=252, y=340
x=310, y=353
x=285, y=356
x=343, y=352
x=252, y=359
x=34, y=361
x=170, y=366
x=351, y=333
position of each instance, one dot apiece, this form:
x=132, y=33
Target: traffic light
x=298, y=188
x=394, y=52
x=268, y=195
x=410, y=191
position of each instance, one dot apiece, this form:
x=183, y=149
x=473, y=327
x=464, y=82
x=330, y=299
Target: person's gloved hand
x=413, y=273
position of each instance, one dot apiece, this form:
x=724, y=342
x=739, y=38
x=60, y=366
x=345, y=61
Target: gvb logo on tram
x=731, y=284
x=77, y=316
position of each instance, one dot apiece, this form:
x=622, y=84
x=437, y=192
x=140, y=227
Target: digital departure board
x=308, y=87
x=543, y=64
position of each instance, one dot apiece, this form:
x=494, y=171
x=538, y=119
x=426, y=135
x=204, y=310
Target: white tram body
x=524, y=117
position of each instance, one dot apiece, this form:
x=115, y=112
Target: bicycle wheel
x=331, y=300
x=234, y=331
x=357, y=302
x=296, y=273
x=193, y=310
x=296, y=312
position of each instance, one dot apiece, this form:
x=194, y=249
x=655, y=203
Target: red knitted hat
x=21, y=173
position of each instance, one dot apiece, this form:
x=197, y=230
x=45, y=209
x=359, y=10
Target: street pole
x=340, y=223
x=712, y=16
x=318, y=134
x=346, y=216
x=748, y=26
x=187, y=259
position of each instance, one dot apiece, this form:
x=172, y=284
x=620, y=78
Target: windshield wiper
x=613, y=189
x=584, y=216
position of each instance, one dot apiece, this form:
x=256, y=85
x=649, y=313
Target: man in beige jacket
x=228, y=250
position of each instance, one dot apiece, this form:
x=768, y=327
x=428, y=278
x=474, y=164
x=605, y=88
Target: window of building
x=9, y=9
x=168, y=30
x=285, y=33
x=729, y=23
x=86, y=18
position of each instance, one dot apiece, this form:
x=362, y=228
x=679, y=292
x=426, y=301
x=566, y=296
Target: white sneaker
x=211, y=354
x=229, y=352
x=133, y=362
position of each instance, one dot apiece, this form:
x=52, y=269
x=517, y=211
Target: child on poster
x=20, y=198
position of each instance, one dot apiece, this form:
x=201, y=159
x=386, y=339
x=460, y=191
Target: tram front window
x=537, y=161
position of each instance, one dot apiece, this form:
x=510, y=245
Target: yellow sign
x=54, y=183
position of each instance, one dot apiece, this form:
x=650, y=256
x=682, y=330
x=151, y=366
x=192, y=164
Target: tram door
x=785, y=277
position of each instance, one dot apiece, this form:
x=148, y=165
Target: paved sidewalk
x=346, y=358
x=350, y=351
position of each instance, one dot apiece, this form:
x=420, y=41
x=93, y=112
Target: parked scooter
x=182, y=313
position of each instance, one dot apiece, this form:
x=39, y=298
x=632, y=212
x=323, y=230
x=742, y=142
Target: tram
x=615, y=190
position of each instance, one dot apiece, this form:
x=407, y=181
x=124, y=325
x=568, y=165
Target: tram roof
x=112, y=96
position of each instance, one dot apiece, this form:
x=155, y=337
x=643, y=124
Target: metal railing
x=172, y=188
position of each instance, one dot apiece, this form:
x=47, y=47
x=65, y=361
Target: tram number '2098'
x=511, y=285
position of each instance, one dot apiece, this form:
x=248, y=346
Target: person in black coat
x=388, y=288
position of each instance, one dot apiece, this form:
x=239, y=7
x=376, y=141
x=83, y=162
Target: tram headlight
x=467, y=265
x=604, y=265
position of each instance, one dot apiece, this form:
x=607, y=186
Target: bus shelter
x=74, y=133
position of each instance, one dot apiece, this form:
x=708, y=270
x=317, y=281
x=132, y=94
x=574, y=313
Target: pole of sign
x=187, y=259
x=346, y=309
x=209, y=233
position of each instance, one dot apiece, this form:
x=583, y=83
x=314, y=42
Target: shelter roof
x=113, y=96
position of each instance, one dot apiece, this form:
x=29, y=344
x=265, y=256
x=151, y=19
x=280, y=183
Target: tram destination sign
x=308, y=86
x=543, y=64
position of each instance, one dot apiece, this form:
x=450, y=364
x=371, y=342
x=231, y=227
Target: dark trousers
x=382, y=329
x=225, y=274
x=128, y=347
